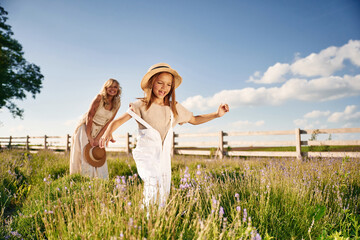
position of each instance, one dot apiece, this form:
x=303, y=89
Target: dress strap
x=138, y=118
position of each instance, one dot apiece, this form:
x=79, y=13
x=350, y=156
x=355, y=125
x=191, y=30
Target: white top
x=102, y=116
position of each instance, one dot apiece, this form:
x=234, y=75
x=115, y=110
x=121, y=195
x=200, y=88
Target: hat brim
x=146, y=78
x=89, y=160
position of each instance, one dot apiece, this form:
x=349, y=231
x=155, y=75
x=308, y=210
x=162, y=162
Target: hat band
x=92, y=156
x=159, y=67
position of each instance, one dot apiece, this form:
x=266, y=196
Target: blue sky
x=280, y=65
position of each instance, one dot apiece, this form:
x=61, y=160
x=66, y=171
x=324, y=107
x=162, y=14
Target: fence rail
x=217, y=144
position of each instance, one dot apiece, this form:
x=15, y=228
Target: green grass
x=210, y=199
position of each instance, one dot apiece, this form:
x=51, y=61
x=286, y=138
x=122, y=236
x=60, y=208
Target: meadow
x=265, y=198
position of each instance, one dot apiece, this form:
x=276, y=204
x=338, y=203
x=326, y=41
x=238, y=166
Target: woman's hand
x=104, y=140
x=95, y=143
x=223, y=108
x=91, y=141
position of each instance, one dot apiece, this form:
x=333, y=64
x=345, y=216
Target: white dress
x=153, y=161
x=78, y=163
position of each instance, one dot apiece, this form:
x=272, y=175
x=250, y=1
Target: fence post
x=45, y=142
x=27, y=143
x=298, y=143
x=10, y=138
x=221, y=145
x=67, y=148
x=127, y=145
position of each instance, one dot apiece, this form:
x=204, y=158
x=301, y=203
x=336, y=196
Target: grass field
x=275, y=198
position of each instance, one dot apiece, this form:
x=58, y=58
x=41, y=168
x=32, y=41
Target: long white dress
x=78, y=163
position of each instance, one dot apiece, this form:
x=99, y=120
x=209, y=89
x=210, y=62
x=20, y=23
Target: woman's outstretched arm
x=199, y=119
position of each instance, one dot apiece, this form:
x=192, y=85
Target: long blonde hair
x=116, y=99
x=170, y=99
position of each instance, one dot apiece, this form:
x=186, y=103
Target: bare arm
x=104, y=128
x=199, y=119
x=104, y=140
x=89, y=119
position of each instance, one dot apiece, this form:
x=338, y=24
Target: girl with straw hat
x=157, y=113
x=86, y=157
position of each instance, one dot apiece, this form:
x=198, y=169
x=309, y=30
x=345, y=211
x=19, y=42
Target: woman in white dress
x=92, y=126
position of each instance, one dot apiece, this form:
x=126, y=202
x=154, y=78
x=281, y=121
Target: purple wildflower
x=245, y=215
x=221, y=212
x=15, y=233
x=131, y=222
x=123, y=179
x=257, y=237
x=117, y=179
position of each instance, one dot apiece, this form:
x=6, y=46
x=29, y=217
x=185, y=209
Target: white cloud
x=349, y=114
x=305, y=124
x=274, y=74
x=247, y=124
x=313, y=119
x=325, y=87
x=73, y=122
x=300, y=122
x=18, y=129
x=348, y=125
x=317, y=114
x=320, y=89
x=324, y=64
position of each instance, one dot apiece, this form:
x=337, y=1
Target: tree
x=17, y=76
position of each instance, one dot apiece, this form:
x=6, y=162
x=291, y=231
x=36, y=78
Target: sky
x=280, y=65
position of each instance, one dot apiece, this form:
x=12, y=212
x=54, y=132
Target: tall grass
x=210, y=199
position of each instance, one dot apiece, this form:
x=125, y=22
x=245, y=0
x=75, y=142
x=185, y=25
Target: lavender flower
x=221, y=212
x=123, y=179
x=214, y=201
x=131, y=222
x=15, y=233
x=257, y=237
x=48, y=212
x=245, y=215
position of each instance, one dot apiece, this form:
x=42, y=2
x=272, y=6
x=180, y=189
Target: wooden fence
x=217, y=144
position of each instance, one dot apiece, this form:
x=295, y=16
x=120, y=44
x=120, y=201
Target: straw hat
x=160, y=67
x=95, y=156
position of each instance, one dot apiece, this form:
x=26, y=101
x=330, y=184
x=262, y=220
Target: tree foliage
x=17, y=76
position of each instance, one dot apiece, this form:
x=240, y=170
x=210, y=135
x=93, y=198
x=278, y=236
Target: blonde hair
x=116, y=98
x=169, y=99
